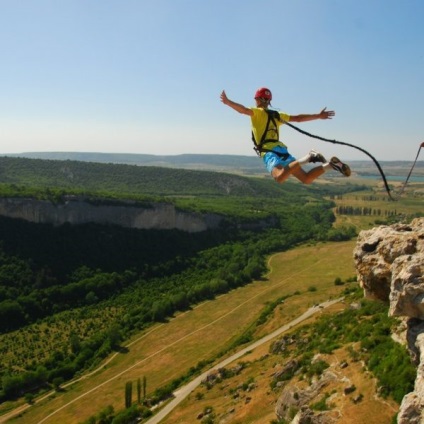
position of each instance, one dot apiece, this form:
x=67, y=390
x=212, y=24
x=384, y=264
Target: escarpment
x=77, y=210
x=390, y=264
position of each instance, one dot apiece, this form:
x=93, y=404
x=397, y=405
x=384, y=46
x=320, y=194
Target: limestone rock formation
x=149, y=215
x=390, y=264
x=78, y=210
x=294, y=398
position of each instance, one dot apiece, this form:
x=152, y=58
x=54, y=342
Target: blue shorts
x=272, y=160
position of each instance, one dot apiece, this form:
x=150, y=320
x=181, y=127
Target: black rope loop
x=386, y=185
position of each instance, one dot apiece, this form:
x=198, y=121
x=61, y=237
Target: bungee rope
x=386, y=185
x=413, y=165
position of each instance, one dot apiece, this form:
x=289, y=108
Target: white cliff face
x=390, y=265
x=74, y=210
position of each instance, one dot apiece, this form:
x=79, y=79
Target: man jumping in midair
x=278, y=161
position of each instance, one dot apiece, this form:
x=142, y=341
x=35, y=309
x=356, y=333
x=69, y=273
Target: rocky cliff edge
x=78, y=210
x=390, y=263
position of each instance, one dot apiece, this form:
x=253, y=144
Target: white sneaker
x=315, y=157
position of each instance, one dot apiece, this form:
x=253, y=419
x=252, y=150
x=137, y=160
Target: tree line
x=364, y=211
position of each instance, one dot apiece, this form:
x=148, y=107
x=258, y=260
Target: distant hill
x=130, y=180
x=188, y=161
x=250, y=165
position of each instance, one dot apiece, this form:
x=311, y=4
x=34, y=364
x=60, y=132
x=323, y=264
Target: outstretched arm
x=324, y=114
x=236, y=106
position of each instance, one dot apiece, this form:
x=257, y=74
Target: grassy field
x=166, y=351
x=405, y=206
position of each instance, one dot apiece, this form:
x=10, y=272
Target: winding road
x=184, y=391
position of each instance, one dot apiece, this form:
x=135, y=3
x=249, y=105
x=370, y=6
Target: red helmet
x=263, y=93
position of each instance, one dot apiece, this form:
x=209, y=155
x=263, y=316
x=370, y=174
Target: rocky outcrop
x=77, y=210
x=390, y=264
x=125, y=213
x=295, y=399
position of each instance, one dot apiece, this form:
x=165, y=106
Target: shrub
x=338, y=282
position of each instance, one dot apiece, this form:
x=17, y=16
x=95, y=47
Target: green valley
x=72, y=296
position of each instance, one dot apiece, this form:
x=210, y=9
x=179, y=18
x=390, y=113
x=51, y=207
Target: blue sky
x=138, y=76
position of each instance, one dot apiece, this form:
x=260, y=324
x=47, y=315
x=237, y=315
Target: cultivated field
x=406, y=204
